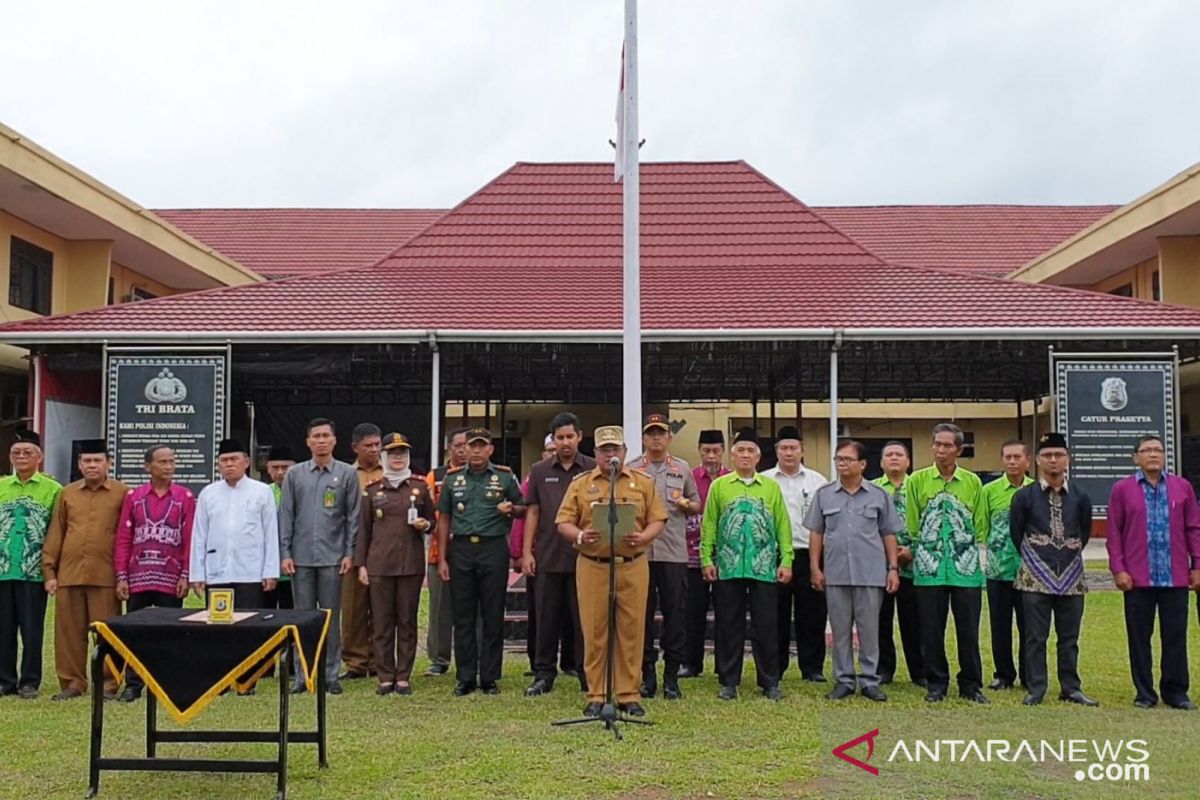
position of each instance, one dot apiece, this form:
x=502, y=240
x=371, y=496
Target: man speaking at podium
x=583, y=519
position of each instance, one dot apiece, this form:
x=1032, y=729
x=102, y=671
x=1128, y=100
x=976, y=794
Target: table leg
x=151, y=723
x=97, y=721
x=284, y=694
x=322, y=744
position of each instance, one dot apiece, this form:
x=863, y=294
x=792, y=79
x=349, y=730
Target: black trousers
x=558, y=622
x=805, y=606
x=902, y=604
x=138, y=601
x=245, y=595
x=478, y=584
x=699, y=596
x=1004, y=602
x=1171, y=606
x=1068, y=614
x=935, y=603
x=531, y=620
x=280, y=596
x=22, y=611
x=730, y=599
x=668, y=586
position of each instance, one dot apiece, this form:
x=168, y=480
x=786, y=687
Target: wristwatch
x=579, y=537
x=893, y=568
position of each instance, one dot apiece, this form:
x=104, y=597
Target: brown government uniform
x=357, y=653
x=79, y=554
x=591, y=578
x=393, y=551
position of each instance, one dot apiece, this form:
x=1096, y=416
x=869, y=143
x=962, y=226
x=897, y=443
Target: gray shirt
x=673, y=478
x=319, y=512
x=853, y=526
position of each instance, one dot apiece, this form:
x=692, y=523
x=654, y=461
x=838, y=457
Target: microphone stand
x=609, y=714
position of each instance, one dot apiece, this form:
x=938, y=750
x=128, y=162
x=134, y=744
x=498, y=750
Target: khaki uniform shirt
x=368, y=476
x=83, y=528
x=592, y=488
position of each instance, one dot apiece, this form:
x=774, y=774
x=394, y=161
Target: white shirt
x=235, y=536
x=798, y=491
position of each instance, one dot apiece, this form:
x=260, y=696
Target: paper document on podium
x=626, y=524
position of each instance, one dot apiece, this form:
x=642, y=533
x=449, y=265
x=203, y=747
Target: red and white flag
x=619, y=159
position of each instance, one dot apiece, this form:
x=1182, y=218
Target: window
x=1155, y=286
x=31, y=271
x=968, y=444
x=1125, y=290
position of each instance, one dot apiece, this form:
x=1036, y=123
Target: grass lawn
x=431, y=745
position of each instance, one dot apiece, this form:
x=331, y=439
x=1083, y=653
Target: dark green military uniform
x=478, y=557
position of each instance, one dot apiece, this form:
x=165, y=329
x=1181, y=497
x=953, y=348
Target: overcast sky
x=410, y=104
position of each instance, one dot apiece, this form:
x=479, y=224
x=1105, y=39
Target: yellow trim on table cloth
x=184, y=716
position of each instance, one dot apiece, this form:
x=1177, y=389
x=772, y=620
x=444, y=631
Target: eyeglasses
x=1150, y=450
x=845, y=459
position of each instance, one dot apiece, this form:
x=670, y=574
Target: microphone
x=614, y=463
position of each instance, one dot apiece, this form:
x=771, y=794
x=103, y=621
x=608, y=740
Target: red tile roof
x=990, y=240
x=278, y=242
x=539, y=249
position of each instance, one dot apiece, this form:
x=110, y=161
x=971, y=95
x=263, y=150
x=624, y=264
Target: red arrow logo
x=869, y=738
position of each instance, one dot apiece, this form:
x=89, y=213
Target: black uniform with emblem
x=478, y=561
x=392, y=552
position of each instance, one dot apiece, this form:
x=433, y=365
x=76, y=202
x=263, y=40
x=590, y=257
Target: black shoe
x=874, y=693
x=6, y=691
x=129, y=695
x=489, y=687
x=592, y=709
x=974, y=697
x=1078, y=698
x=436, y=670
x=840, y=692
x=70, y=693
x=384, y=689
x=688, y=672
x=1032, y=700
x=632, y=709
x=728, y=693
x=649, y=682
x=1000, y=684
x=935, y=696
x=1186, y=705
x=464, y=688
x=28, y=692
x=352, y=675
x=1146, y=704
x=404, y=690
x=538, y=687
x=924, y=684
x=298, y=688
x=886, y=680
x=570, y=672
x=671, y=690
x=333, y=688
x=815, y=677
x=773, y=693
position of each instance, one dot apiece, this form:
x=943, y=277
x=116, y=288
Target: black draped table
x=186, y=665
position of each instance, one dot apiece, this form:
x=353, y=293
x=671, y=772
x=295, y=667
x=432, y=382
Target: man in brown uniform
x=587, y=494
x=390, y=557
x=77, y=563
x=356, y=598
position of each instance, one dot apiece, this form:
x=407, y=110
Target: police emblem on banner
x=1113, y=394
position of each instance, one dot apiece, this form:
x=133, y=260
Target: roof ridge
x=943, y=206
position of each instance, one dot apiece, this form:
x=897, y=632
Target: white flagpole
x=632, y=331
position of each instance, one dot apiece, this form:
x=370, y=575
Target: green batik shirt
x=1003, y=560
x=471, y=497
x=745, y=530
x=902, y=538
x=277, y=490
x=24, y=516
x=947, y=522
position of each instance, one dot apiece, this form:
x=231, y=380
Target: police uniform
x=632, y=573
x=478, y=560
x=393, y=553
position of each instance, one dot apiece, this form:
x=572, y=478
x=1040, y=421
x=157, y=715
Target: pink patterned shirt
x=153, y=538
